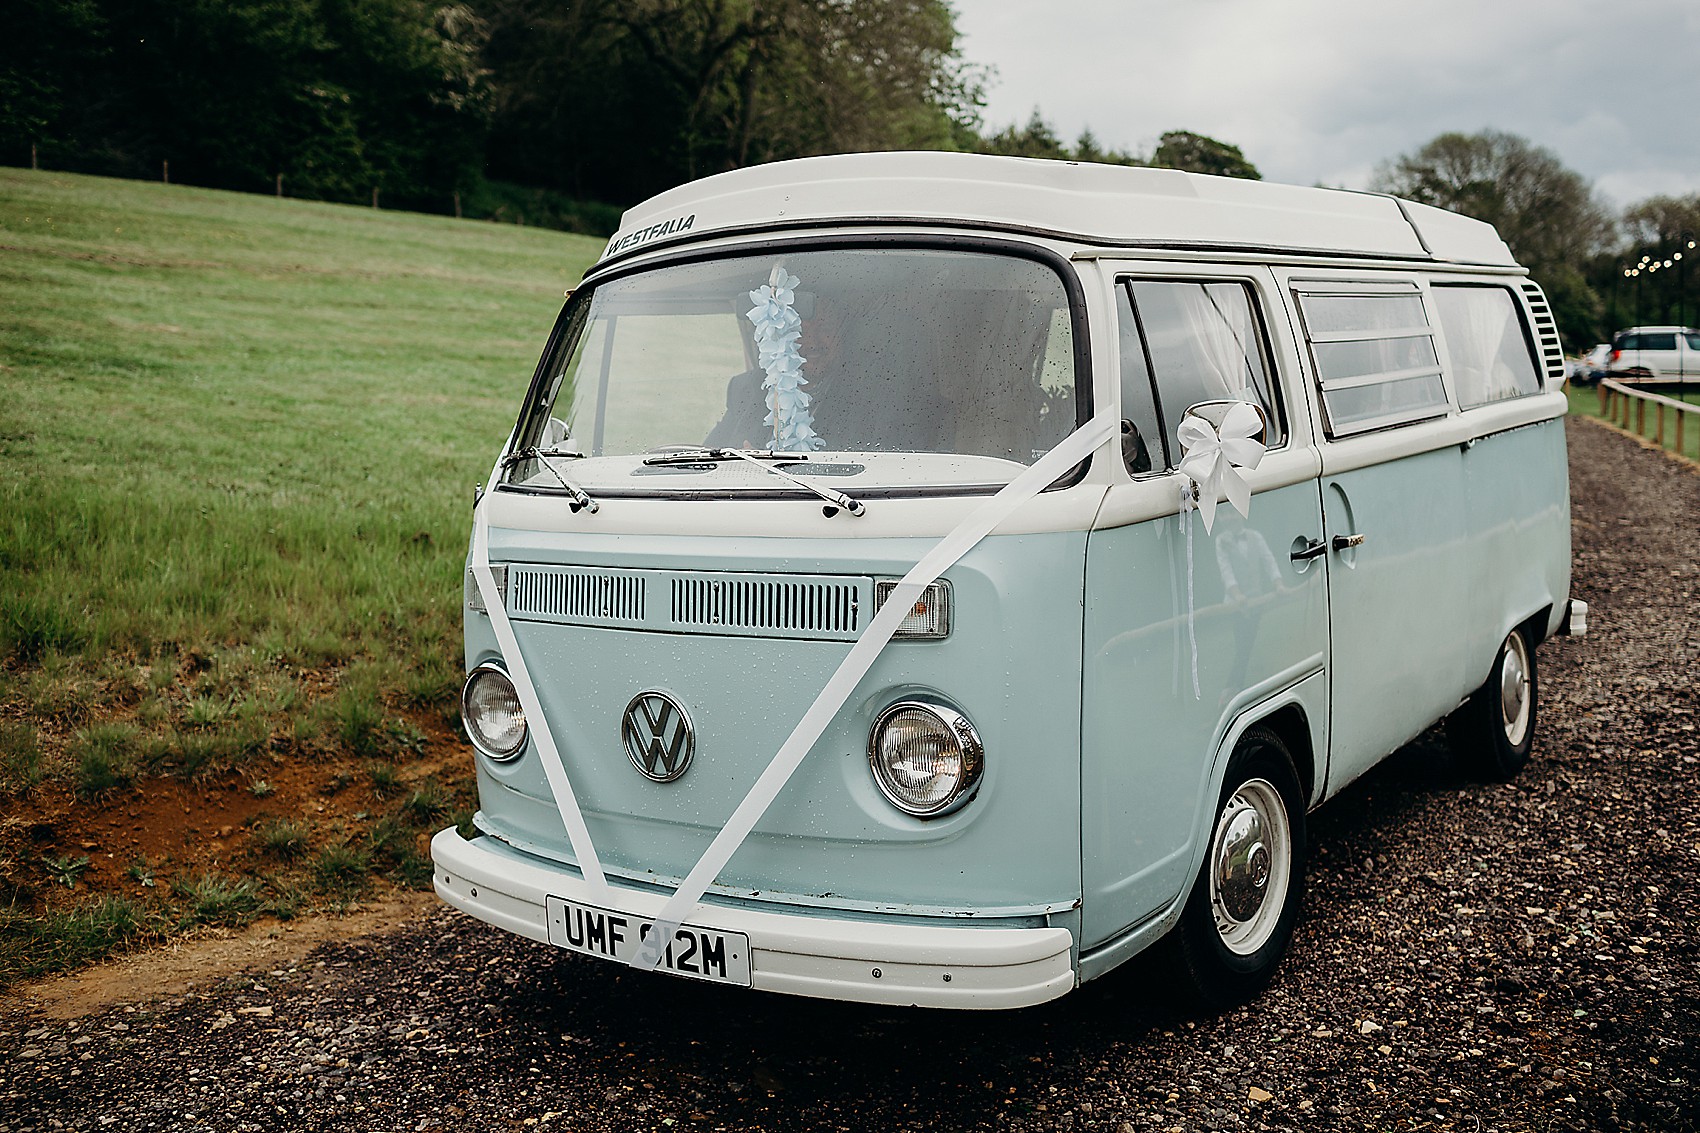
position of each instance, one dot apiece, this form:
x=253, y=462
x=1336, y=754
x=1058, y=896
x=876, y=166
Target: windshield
x=888, y=367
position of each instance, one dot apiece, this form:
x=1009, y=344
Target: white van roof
x=1094, y=204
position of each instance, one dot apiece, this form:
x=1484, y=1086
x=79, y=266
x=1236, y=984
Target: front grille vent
x=807, y=608
x=815, y=607
x=576, y=595
x=1546, y=333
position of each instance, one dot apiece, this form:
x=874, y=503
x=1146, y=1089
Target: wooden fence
x=1626, y=405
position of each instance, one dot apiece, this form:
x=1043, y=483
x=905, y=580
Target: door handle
x=1311, y=549
x=1347, y=542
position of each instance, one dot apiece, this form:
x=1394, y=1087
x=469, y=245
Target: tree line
x=558, y=112
x=600, y=100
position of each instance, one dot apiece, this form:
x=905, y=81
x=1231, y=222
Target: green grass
x=239, y=441
x=281, y=838
x=343, y=868
x=20, y=757
x=68, y=938
x=107, y=757
x=213, y=899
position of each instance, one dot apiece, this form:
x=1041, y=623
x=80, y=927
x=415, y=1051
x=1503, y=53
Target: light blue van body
x=1075, y=639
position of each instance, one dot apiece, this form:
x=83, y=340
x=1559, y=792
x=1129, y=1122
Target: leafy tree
x=1658, y=229
x=1548, y=214
x=619, y=99
x=1036, y=139
x=1196, y=153
x=339, y=96
x=1086, y=148
x=1039, y=139
x=1661, y=221
x=47, y=44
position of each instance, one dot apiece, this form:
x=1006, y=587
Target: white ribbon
x=1212, y=458
x=963, y=538
x=578, y=834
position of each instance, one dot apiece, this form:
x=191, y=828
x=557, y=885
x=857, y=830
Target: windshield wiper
x=581, y=499
x=758, y=457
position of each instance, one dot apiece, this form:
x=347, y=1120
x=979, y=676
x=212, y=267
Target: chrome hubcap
x=1250, y=865
x=1515, y=701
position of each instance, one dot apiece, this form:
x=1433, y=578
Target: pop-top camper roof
x=1092, y=204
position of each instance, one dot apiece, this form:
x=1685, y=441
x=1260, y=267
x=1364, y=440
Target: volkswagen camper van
x=934, y=579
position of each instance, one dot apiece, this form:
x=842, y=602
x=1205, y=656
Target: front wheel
x=1494, y=730
x=1239, y=919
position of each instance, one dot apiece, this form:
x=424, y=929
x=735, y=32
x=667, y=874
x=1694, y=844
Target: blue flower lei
x=778, y=328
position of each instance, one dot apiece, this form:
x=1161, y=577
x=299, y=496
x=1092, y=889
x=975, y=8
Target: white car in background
x=1656, y=354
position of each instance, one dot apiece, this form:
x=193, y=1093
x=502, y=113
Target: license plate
x=700, y=953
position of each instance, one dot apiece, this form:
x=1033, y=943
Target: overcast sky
x=1319, y=91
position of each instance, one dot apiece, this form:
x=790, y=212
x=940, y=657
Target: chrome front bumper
x=865, y=961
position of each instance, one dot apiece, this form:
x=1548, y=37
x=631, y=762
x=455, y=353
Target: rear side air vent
x=569, y=594
x=784, y=607
x=1546, y=333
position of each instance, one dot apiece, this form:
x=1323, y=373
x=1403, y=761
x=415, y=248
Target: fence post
x=457, y=204
x=33, y=165
x=374, y=196
x=1640, y=402
x=1680, y=451
x=165, y=172
x=280, y=186
x=1661, y=408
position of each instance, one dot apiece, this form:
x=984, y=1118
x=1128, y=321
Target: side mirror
x=1215, y=411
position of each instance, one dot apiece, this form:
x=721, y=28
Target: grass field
x=239, y=437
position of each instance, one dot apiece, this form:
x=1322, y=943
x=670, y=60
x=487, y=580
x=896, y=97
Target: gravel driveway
x=1515, y=957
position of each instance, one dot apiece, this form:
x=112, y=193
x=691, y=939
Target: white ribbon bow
x=1211, y=459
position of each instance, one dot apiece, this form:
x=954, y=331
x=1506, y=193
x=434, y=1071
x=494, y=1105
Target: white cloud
x=1324, y=90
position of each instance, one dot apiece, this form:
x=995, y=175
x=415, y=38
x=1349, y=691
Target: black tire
x=1225, y=959
x=1494, y=731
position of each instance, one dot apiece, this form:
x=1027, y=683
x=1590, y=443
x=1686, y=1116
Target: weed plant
x=213, y=899
x=343, y=868
x=106, y=756
x=281, y=838
x=20, y=757
x=65, y=870
x=386, y=783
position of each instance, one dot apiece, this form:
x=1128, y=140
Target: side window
x=1658, y=341
x=1200, y=340
x=1487, y=350
x=1374, y=354
x=1628, y=342
x=1693, y=340
x=1142, y=438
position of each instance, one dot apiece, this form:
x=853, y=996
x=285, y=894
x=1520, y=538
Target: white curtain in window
x=1219, y=322
x=1484, y=342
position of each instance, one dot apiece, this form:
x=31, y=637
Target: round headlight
x=926, y=757
x=494, y=719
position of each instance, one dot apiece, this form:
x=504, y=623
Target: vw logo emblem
x=658, y=736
